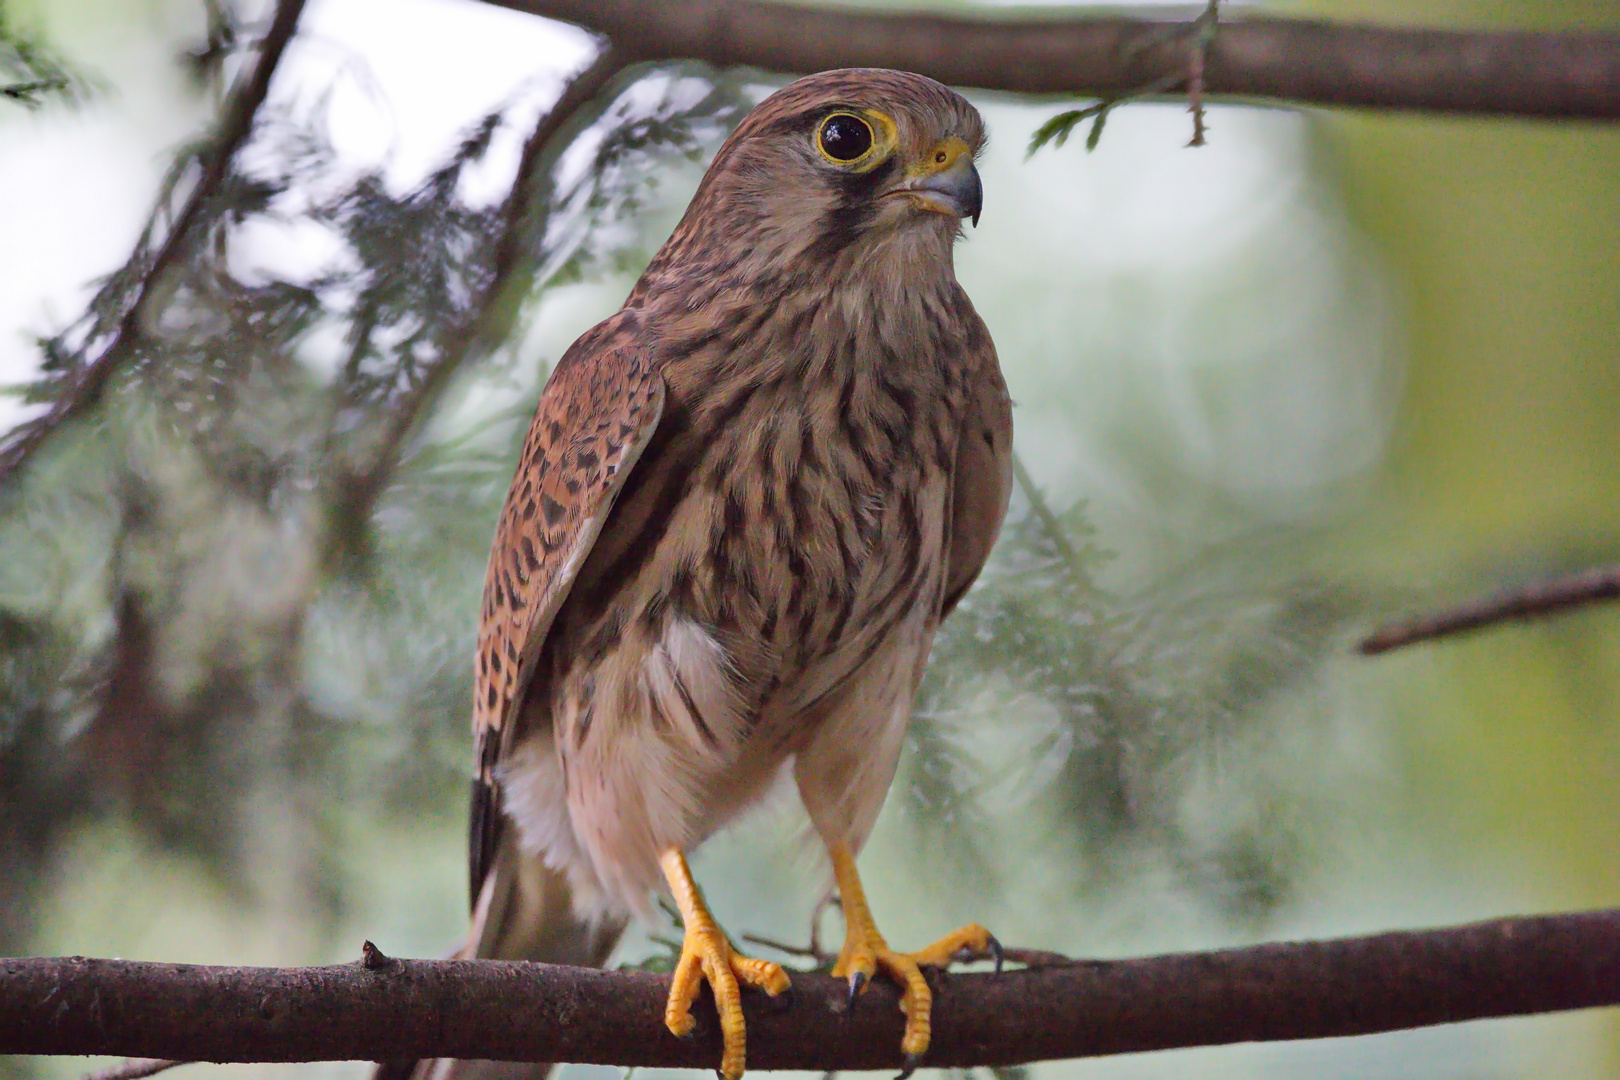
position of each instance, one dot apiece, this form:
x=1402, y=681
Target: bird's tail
x=525, y=912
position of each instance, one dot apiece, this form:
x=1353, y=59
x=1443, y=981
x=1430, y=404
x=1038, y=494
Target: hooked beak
x=946, y=182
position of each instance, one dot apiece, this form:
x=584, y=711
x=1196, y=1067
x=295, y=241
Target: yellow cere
x=945, y=153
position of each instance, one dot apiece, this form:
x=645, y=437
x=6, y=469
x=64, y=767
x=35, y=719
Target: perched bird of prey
x=745, y=503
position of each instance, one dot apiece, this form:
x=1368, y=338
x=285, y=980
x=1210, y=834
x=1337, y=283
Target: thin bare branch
x=1055, y=531
x=235, y=124
x=413, y=1009
x=1531, y=602
x=1035, y=958
x=1203, y=34
x=1300, y=61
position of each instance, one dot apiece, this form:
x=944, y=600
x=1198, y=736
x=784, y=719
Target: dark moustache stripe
x=857, y=206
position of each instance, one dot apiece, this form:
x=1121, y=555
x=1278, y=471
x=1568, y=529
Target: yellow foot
x=865, y=953
x=706, y=955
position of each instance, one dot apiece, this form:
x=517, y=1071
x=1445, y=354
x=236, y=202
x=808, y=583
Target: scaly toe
x=683, y=990
x=706, y=956
x=767, y=975
x=916, y=1001
x=906, y=969
x=865, y=950
x=971, y=942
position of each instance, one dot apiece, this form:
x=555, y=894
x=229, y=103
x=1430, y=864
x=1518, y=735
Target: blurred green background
x=1328, y=369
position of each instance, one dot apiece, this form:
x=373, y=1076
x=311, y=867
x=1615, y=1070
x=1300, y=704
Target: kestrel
x=744, y=505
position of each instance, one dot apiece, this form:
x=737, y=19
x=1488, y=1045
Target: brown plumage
x=744, y=505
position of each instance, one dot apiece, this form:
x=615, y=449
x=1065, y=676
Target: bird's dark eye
x=844, y=137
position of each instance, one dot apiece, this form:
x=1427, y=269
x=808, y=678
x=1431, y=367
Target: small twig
x=820, y=959
x=806, y=951
x=667, y=906
x=1545, y=598
x=133, y=1069
x=1054, y=528
x=830, y=900
x=823, y=959
x=1203, y=34
x=374, y=959
x=1039, y=958
x=1058, y=129
x=1030, y=958
x=28, y=93
x=1200, y=34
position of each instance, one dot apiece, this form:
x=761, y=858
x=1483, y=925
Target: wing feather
x=596, y=414
x=983, y=477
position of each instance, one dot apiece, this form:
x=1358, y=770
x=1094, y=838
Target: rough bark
x=1299, y=61
x=490, y=1009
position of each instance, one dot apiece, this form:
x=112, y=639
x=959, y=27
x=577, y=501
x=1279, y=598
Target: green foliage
x=1058, y=129
x=269, y=600
x=32, y=73
x=36, y=793
x=1199, y=33
x=276, y=604
x=1132, y=697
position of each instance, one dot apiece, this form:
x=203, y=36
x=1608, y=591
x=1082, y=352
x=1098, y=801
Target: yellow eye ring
x=845, y=139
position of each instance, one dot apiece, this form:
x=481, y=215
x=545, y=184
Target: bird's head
x=848, y=162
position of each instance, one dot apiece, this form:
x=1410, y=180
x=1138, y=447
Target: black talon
x=997, y=953
x=910, y=1066
x=857, y=983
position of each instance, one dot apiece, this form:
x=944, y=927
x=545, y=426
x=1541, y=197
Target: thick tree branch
x=235, y=124
x=1293, y=60
x=1545, y=598
x=492, y=1009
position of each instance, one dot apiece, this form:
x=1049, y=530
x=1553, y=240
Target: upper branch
x=1296, y=60
x=424, y=1009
